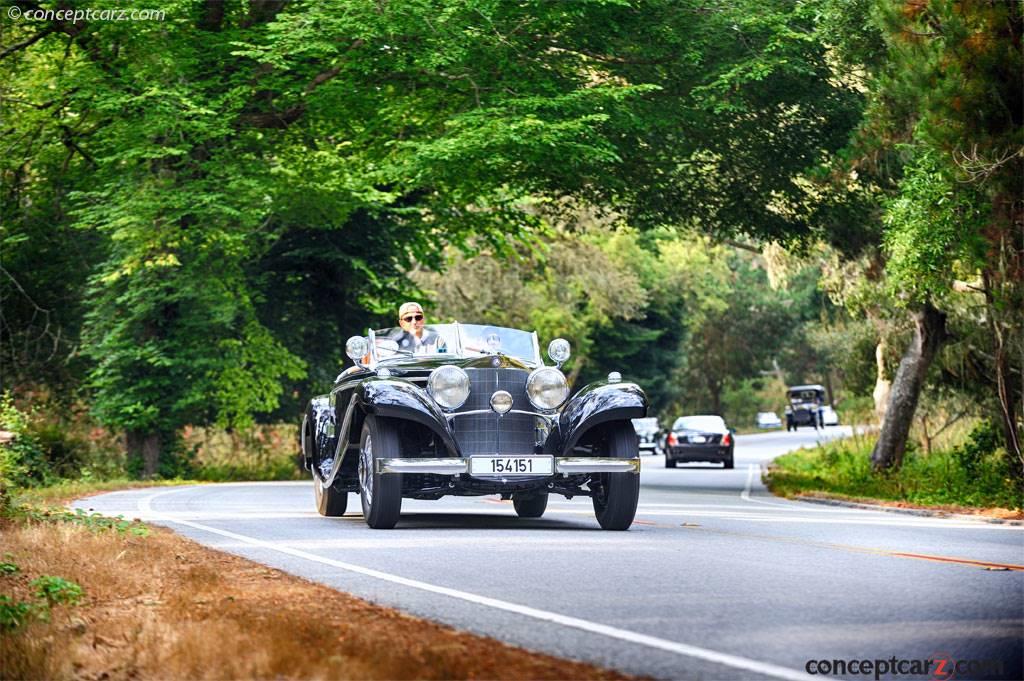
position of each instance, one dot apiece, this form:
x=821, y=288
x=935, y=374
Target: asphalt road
x=716, y=580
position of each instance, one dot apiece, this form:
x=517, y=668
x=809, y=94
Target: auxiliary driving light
x=501, y=401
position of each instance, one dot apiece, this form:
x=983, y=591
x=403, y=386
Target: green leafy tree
x=571, y=286
x=242, y=172
x=946, y=104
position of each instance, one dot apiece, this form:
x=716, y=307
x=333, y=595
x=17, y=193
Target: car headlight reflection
x=449, y=386
x=547, y=388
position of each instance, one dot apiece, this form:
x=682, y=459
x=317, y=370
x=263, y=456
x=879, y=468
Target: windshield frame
x=460, y=350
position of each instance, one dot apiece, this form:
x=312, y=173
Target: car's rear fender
x=594, y=406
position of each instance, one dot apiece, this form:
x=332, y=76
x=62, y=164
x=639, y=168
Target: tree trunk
x=577, y=367
x=828, y=387
x=145, y=445
x=883, y=385
x=1003, y=303
x=926, y=436
x=1008, y=391
x=929, y=335
x=715, y=388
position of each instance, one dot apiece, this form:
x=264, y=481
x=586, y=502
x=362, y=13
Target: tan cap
x=409, y=307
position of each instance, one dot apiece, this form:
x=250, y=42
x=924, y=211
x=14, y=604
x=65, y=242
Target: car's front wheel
x=617, y=495
x=330, y=502
x=380, y=494
x=532, y=506
x=670, y=463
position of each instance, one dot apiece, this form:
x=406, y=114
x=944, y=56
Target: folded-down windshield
x=463, y=340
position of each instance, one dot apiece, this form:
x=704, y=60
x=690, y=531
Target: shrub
x=982, y=443
x=22, y=460
x=14, y=613
x=56, y=590
x=976, y=473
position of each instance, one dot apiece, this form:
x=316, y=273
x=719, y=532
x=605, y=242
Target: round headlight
x=449, y=386
x=547, y=388
x=356, y=348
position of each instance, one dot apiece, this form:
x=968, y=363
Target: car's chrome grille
x=490, y=433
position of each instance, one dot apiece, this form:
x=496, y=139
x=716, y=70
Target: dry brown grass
x=162, y=607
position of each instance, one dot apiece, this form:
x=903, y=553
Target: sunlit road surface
x=717, y=579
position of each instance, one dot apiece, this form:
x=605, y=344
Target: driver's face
x=412, y=322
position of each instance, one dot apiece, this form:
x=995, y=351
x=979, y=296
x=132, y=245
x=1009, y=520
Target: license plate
x=511, y=465
x=698, y=439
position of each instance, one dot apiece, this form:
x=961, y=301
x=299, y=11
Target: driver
x=414, y=337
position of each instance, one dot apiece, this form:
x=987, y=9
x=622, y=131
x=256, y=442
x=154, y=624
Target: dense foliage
x=197, y=209
x=942, y=146
x=974, y=474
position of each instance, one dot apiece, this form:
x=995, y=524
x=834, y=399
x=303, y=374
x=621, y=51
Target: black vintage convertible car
x=471, y=411
x=805, y=406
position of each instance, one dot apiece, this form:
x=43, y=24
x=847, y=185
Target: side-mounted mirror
x=559, y=351
x=356, y=348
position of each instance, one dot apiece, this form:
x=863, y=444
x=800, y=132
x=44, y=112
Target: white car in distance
x=829, y=417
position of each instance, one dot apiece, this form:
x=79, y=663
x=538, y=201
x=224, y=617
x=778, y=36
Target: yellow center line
x=962, y=561
x=809, y=542
x=867, y=549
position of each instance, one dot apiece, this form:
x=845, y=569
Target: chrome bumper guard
x=566, y=464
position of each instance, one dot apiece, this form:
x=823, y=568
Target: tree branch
x=282, y=119
x=262, y=11
x=28, y=42
x=742, y=246
x=69, y=141
x=609, y=59
x=213, y=15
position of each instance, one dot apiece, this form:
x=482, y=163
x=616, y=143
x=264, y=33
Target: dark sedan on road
x=699, y=438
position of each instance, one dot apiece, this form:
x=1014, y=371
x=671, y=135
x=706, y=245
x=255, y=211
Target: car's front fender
x=317, y=431
x=401, y=399
x=596, y=404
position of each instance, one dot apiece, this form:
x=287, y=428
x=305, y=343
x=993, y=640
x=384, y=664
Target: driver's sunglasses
x=413, y=318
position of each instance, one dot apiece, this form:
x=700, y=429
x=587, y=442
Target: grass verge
x=85, y=597
x=953, y=480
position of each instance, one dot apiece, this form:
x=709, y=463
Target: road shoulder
x=1000, y=516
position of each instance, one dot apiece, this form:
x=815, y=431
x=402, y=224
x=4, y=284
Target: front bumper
x=567, y=465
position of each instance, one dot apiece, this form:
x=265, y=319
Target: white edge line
x=745, y=494
x=767, y=669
